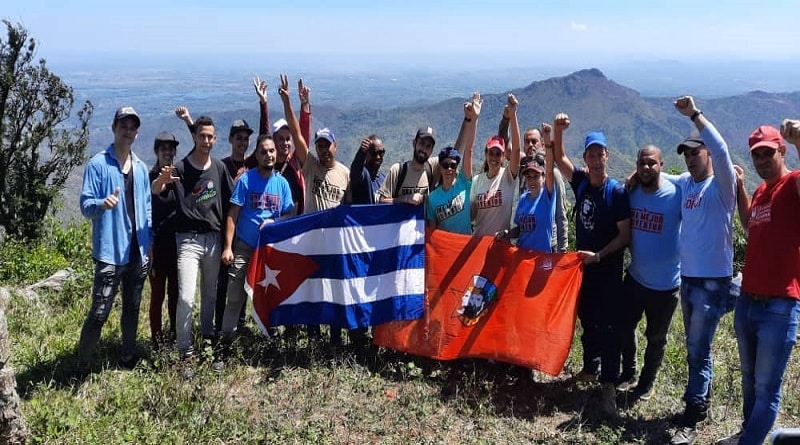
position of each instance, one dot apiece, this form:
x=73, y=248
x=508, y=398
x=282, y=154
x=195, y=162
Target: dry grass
x=293, y=391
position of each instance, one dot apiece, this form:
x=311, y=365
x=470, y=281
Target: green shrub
x=62, y=246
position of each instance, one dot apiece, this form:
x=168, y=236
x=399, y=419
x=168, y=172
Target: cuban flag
x=348, y=267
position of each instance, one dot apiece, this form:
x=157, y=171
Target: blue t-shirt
x=655, y=228
x=534, y=218
x=260, y=199
x=450, y=208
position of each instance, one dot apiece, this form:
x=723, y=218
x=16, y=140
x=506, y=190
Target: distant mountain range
x=592, y=101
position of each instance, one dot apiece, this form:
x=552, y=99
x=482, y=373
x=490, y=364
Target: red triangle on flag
x=274, y=275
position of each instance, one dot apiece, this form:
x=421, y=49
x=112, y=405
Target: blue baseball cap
x=595, y=138
x=449, y=152
x=326, y=134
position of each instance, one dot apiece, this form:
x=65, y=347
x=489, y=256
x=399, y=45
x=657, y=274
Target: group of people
x=203, y=215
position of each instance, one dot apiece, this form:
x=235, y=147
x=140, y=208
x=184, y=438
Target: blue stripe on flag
x=406, y=307
x=344, y=215
x=365, y=264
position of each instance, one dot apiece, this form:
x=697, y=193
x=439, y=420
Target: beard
x=421, y=156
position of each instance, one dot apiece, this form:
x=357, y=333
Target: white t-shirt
x=492, y=201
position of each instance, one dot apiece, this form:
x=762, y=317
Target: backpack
x=402, y=177
x=608, y=193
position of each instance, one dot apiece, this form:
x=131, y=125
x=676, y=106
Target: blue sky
x=530, y=31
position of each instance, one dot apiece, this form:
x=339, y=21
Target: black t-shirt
x=287, y=171
x=130, y=208
x=164, y=210
x=202, y=196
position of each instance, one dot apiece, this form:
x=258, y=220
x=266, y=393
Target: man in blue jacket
x=116, y=197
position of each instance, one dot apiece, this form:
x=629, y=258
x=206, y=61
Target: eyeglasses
x=449, y=165
x=531, y=141
x=377, y=152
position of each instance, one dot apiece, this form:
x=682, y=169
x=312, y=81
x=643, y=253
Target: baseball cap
x=326, y=134
x=280, y=123
x=690, y=143
x=496, y=142
x=240, y=125
x=595, y=138
x=766, y=136
x=449, y=152
x=535, y=163
x=425, y=132
x=166, y=137
x=124, y=112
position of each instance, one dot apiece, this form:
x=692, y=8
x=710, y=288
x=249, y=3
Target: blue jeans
x=703, y=302
x=766, y=333
x=107, y=278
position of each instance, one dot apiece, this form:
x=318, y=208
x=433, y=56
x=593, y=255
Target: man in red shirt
x=767, y=313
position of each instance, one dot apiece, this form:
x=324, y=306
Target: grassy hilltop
x=293, y=391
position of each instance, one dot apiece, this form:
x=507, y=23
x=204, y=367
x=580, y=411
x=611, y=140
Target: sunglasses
x=449, y=165
x=531, y=141
x=377, y=152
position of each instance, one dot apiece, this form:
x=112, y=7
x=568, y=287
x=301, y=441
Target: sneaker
x=684, y=436
x=187, y=365
x=585, y=376
x=730, y=440
x=218, y=365
x=627, y=385
x=641, y=394
x=608, y=400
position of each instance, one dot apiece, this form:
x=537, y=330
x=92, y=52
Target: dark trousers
x=222, y=299
x=657, y=308
x=598, y=312
x=163, y=280
x=107, y=279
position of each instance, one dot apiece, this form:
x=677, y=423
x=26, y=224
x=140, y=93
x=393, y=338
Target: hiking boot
x=685, y=435
x=585, y=376
x=730, y=440
x=627, y=384
x=608, y=400
x=128, y=362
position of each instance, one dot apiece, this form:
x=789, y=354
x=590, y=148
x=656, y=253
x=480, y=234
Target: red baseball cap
x=766, y=136
x=496, y=142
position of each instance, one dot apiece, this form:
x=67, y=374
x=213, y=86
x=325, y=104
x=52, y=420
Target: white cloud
x=578, y=27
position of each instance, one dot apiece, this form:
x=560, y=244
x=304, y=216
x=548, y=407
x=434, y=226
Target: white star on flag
x=270, y=277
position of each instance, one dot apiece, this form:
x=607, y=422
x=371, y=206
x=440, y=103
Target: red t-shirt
x=772, y=257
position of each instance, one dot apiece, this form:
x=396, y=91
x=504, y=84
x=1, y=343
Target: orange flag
x=488, y=299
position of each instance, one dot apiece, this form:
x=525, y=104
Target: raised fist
x=182, y=113
x=685, y=105
x=790, y=130
x=561, y=122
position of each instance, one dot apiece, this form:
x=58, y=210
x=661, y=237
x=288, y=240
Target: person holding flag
x=259, y=197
